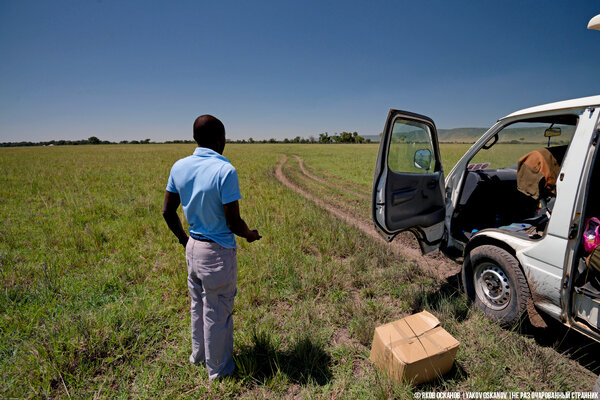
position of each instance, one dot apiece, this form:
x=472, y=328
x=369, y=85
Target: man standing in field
x=206, y=185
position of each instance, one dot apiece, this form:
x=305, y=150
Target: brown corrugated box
x=415, y=349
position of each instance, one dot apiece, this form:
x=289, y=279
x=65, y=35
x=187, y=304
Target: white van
x=514, y=206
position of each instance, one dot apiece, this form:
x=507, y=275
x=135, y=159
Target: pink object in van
x=591, y=234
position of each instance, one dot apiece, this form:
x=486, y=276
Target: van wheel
x=498, y=286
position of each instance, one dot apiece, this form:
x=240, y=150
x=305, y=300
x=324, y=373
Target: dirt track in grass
x=329, y=182
x=405, y=245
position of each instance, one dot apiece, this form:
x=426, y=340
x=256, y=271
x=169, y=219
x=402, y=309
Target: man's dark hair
x=209, y=132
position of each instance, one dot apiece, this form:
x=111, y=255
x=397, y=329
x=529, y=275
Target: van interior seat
x=491, y=198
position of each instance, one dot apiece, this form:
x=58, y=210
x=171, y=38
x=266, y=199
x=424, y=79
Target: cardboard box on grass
x=415, y=349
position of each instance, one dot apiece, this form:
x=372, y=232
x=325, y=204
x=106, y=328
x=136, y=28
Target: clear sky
x=145, y=69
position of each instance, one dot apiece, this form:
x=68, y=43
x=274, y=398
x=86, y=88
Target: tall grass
x=94, y=301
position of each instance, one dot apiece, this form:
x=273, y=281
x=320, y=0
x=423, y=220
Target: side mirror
x=551, y=132
x=423, y=159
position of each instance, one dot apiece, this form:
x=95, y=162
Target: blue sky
x=139, y=69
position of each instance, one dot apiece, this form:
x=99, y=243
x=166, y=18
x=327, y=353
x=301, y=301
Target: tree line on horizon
x=344, y=137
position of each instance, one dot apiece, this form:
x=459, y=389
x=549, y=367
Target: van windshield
x=520, y=138
x=510, y=183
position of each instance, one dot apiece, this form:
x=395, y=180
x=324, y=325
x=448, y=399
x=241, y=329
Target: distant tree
x=250, y=140
x=286, y=140
x=346, y=137
x=311, y=139
x=123, y=142
x=324, y=138
x=272, y=140
x=146, y=141
x=296, y=139
x=357, y=138
x=93, y=140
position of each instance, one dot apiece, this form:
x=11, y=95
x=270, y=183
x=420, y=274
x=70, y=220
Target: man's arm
x=236, y=224
x=170, y=215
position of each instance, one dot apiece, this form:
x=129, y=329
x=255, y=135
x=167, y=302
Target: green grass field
x=94, y=302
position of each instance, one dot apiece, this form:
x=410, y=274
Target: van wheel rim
x=492, y=286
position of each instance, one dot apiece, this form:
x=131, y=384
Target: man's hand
x=236, y=224
x=184, y=242
x=253, y=236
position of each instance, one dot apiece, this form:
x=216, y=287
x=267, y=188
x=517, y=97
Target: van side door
x=408, y=185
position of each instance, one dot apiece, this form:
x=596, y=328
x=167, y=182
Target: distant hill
x=374, y=138
x=470, y=135
x=514, y=135
x=466, y=135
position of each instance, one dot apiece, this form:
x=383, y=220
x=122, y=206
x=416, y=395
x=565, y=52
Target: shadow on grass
x=566, y=341
x=305, y=361
x=450, y=301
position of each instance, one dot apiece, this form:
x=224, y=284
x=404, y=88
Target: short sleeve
x=171, y=184
x=230, y=186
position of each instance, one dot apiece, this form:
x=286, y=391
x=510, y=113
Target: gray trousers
x=212, y=279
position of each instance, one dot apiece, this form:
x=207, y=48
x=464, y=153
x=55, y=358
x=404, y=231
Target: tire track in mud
x=403, y=246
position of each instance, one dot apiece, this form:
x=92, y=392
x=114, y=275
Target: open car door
x=408, y=186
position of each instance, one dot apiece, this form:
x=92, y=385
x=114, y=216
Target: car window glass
x=518, y=139
x=410, y=148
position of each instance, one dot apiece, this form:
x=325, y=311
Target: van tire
x=498, y=286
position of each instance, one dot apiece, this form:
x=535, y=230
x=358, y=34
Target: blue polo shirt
x=205, y=181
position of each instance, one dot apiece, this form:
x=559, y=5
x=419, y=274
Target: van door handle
x=432, y=184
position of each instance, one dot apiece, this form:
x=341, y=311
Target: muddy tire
x=496, y=284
